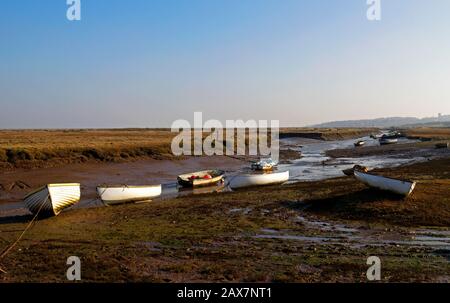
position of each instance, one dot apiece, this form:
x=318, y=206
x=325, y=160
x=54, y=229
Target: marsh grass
x=41, y=148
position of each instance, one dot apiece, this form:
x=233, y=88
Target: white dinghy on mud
x=120, y=194
x=51, y=199
x=400, y=187
x=250, y=180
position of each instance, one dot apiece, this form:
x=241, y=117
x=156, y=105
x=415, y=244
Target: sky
x=147, y=63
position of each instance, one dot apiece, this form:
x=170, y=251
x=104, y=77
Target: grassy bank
x=435, y=134
x=326, y=133
x=43, y=148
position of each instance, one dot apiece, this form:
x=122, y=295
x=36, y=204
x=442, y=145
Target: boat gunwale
x=47, y=186
x=106, y=186
x=265, y=172
x=390, y=178
x=185, y=177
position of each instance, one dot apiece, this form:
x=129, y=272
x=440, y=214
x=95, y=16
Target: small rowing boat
x=264, y=164
x=393, y=135
x=376, y=136
x=249, y=180
x=359, y=143
x=201, y=178
x=386, y=141
x=400, y=187
x=119, y=194
x=51, y=199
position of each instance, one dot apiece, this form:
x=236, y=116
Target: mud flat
x=14, y=185
x=415, y=149
x=306, y=232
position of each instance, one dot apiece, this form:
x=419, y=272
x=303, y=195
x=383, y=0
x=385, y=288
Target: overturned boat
x=250, y=180
x=119, y=194
x=201, y=178
x=400, y=187
x=51, y=199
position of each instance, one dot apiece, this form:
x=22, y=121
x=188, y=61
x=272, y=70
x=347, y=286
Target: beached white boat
x=376, y=136
x=248, y=180
x=201, y=178
x=386, y=141
x=118, y=194
x=51, y=199
x=359, y=143
x=400, y=187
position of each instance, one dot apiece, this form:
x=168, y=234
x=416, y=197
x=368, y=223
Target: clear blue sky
x=146, y=63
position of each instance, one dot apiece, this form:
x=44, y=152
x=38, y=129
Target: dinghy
x=393, y=135
x=249, y=180
x=201, y=178
x=51, y=199
x=359, y=143
x=376, y=136
x=386, y=141
x=264, y=164
x=119, y=194
x=400, y=187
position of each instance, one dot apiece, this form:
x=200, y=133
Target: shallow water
x=326, y=233
x=315, y=165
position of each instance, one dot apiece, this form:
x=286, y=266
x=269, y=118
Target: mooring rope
x=10, y=247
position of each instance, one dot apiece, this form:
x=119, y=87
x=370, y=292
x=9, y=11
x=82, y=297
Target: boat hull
x=217, y=176
x=388, y=141
x=111, y=195
x=399, y=187
x=51, y=199
x=250, y=180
